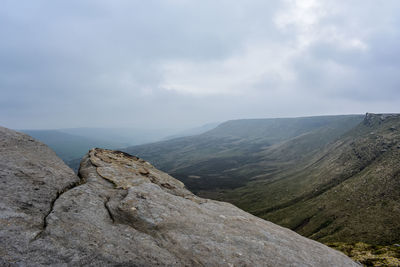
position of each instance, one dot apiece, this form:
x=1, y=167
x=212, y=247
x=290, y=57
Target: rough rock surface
x=123, y=211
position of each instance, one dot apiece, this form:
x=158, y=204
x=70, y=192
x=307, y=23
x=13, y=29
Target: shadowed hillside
x=349, y=191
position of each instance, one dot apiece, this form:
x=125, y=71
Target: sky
x=181, y=63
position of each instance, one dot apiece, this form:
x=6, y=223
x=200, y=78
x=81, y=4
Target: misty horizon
x=201, y=125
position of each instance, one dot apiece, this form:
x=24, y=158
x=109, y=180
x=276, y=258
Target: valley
x=333, y=179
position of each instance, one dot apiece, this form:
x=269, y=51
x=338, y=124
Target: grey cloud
x=101, y=63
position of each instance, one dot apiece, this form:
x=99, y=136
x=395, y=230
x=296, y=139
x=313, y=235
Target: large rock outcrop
x=123, y=211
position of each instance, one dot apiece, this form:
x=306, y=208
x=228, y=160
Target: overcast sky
x=183, y=63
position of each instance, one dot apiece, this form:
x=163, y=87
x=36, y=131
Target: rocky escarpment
x=123, y=211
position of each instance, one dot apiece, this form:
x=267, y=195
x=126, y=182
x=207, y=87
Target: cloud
x=239, y=74
x=181, y=63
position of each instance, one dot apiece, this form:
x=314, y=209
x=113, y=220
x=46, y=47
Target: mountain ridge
x=212, y=154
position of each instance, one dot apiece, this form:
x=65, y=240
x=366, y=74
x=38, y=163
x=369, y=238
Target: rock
x=143, y=171
x=123, y=211
x=371, y=118
x=31, y=177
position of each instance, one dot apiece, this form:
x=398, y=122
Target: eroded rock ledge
x=123, y=211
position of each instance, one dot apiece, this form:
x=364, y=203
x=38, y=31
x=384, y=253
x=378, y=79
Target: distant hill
x=125, y=136
x=70, y=148
x=71, y=144
x=223, y=157
x=193, y=131
x=329, y=178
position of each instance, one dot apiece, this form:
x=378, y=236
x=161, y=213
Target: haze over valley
x=72, y=144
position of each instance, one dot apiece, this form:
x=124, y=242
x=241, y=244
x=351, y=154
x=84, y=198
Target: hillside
x=336, y=182
x=121, y=211
x=193, y=131
x=239, y=151
x=347, y=192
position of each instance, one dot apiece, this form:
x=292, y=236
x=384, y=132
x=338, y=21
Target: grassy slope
x=370, y=255
x=237, y=151
x=347, y=192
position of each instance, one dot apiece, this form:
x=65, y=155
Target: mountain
x=239, y=151
x=193, y=131
x=121, y=211
x=337, y=181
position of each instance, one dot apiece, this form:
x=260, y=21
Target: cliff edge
x=123, y=211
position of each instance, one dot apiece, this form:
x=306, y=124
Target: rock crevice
x=53, y=201
x=108, y=209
